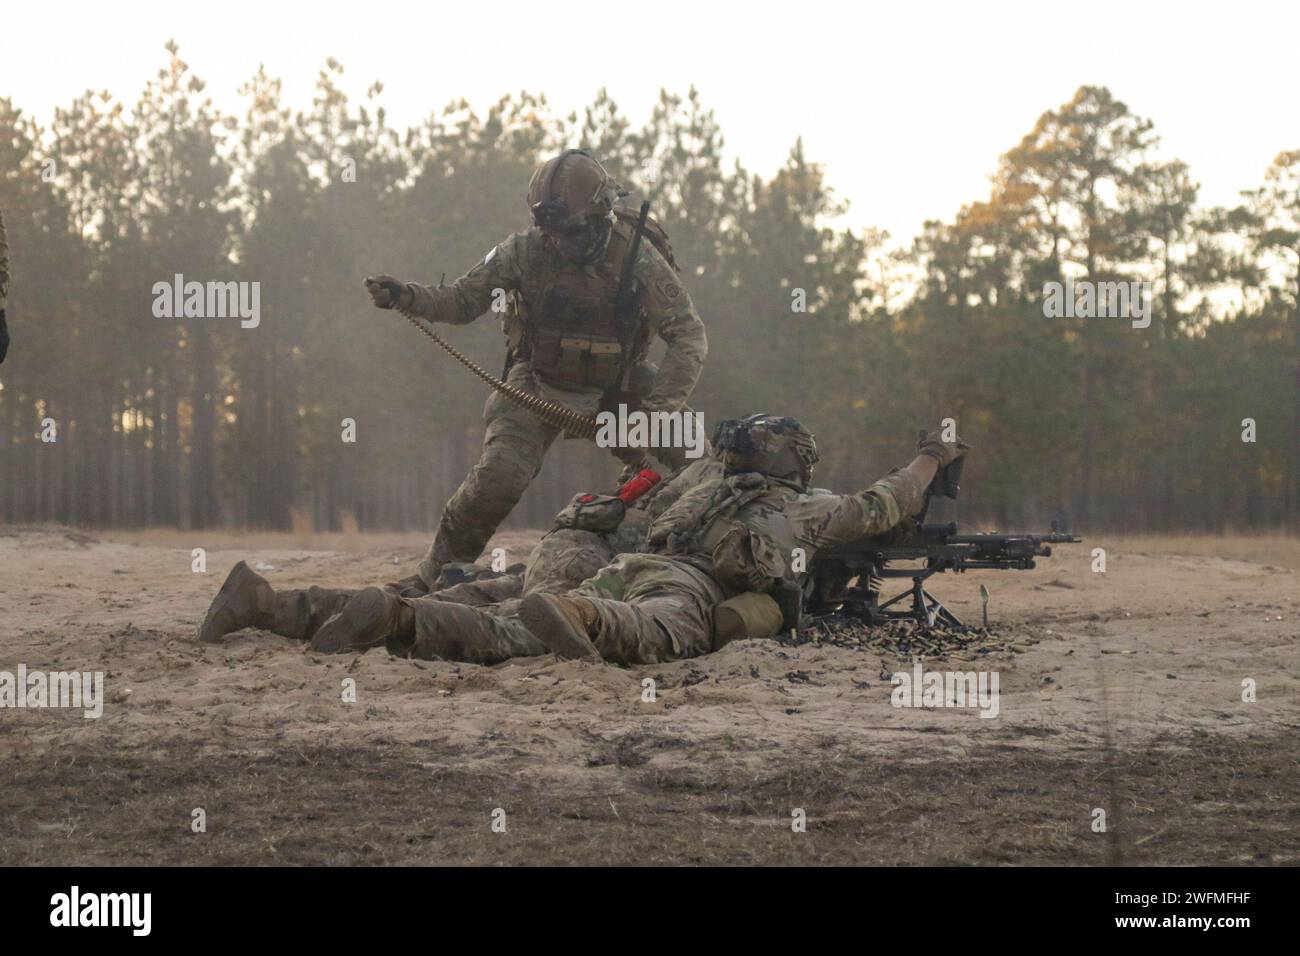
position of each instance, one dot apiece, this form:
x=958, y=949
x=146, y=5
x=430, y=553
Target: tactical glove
x=387, y=293
x=944, y=452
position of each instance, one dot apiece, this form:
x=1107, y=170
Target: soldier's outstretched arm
x=827, y=520
x=842, y=519
x=464, y=300
x=673, y=318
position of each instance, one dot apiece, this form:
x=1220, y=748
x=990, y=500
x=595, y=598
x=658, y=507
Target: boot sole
x=549, y=625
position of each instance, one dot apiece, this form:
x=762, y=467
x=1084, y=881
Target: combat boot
x=564, y=624
x=371, y=617
x=245, y=600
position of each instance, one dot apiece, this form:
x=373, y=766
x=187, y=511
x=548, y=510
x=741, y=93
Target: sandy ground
x=1123, y=693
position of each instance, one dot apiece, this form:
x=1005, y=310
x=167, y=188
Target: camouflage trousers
x=515, y=443
x=565, y=558
x=650, y=609
x=463, y=625
x=300, y=612
x=449, y=622
x=447, y=631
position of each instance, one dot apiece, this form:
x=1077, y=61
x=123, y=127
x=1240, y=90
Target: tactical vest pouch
x=743, y=559
x=749, y=615
x=573, y=333
x=687, y=527
x=606, y=363
x=599, y=513
x=575, y=361
x=571, y=366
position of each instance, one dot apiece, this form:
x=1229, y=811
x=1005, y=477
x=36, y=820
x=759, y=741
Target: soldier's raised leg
x=514, y=447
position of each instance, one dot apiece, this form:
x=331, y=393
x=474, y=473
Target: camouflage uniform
x=488, y=632
x=557, y=356
x=657, y=607
x=247, y=600
x=440, y=619
x=728, y=542
x=470, y=621
x=649, y=607
x=566, y=557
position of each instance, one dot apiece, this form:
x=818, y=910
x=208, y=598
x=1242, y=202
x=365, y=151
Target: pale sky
x=907, y=105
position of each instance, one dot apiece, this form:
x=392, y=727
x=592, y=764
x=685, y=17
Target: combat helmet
x=571, y=198
x=779, y=447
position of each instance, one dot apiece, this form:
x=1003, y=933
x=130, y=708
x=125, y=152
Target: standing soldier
x=4, y=288
x=568, y=341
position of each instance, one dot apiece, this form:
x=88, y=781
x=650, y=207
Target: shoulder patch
x=668, y=288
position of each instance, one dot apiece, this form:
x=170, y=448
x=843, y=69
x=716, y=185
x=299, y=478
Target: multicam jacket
x=562, y=317
x=743, y=529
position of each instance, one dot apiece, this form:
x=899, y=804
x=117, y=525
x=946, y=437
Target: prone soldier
x=714, y=564
x=592, y=529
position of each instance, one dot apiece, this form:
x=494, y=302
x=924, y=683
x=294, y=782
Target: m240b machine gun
x=847, y=579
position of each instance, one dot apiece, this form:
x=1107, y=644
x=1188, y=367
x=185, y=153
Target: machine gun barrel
x=939, y=548
x=993, y=538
